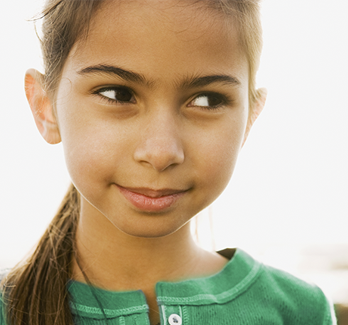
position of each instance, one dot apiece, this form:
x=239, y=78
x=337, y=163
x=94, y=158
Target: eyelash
x=109, y=100
x=225, y=100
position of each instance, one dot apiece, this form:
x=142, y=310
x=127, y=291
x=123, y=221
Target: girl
x=152, y=101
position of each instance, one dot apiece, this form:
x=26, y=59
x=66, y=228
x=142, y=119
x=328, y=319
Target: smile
x=151, y=200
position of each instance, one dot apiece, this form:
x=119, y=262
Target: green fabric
x=244, y=292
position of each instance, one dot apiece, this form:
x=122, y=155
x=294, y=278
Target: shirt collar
x=237, y=275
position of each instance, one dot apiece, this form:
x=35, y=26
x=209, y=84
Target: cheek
x=85, y=160
x=220, y=165
x=93, y=147
x=218, y=156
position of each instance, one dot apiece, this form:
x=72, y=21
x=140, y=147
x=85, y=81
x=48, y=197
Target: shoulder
x=284, y=284
x=273, y=296
x=295, y=298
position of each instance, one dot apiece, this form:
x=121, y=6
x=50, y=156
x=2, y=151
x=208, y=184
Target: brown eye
x=208, y=100
x=117, y=94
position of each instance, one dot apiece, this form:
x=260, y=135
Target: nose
x=160, y=146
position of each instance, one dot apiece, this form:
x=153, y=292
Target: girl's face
x=152, y=110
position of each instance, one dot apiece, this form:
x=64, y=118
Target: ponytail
x=35, y=292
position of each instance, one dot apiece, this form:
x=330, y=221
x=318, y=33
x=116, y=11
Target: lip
x=151, y=200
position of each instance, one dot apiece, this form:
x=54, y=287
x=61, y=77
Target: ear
x=41, y=107
x=255, y=110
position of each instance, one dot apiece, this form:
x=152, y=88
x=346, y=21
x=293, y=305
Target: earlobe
x=41, y=107
x=255, y=111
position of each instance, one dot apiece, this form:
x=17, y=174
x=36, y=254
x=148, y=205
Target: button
x=174, y=319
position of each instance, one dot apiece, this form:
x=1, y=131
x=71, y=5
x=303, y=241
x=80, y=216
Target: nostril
x=159, y=153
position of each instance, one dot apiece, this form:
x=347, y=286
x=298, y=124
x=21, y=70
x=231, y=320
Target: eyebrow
x=108, y=69
x=189, y=82
x=194, y=82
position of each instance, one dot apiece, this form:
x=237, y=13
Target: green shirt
x=243, y=292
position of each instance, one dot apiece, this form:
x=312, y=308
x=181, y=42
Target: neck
x=116, y=261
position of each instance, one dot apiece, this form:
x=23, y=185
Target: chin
x=151, y=229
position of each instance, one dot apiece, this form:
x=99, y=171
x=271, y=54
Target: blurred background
x=287, y=202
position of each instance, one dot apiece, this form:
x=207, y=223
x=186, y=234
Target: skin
x=165, y=136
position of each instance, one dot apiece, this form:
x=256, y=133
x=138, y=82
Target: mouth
x=151, y=200
x=152, y=193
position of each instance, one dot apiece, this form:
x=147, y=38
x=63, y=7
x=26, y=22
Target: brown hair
x=35, y=291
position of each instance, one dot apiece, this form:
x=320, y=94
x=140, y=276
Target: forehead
x=162, y=38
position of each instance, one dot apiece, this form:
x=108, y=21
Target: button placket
x=172, y=315
x=174, y=319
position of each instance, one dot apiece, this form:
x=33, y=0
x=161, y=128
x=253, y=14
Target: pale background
x=287, y=203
